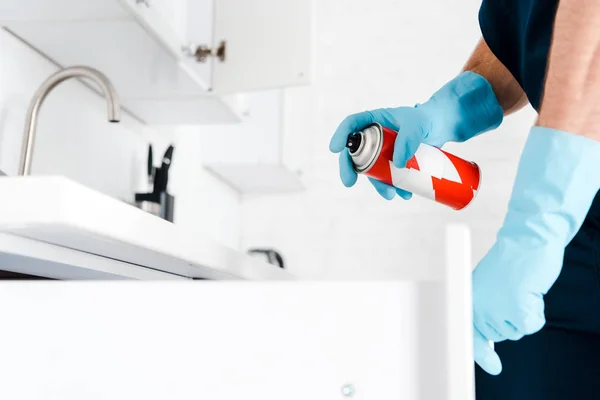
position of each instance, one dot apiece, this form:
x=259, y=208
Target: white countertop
x=61, y=229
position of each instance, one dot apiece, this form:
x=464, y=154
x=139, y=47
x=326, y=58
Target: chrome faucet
x=112, y=98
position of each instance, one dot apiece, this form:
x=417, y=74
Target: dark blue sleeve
x=499, y=25
x=519, y=33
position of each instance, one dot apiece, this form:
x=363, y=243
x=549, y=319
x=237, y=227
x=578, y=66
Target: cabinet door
x=177, y=24
x=165, y=20
x=216, y=341
x=174, y=13
x=268, y=44
x=59, y=10
x=200, y=19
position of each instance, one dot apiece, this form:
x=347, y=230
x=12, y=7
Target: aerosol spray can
x=431, y=173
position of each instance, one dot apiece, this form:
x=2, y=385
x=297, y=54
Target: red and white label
x=439, y=176
x=431, y=173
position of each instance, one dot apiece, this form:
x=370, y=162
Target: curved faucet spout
x=112, y=98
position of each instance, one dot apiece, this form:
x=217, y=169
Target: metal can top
x=371, y=141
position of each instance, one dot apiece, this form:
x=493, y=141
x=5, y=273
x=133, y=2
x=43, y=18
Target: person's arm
x=509, y=93
x=470, y=104
x=572, y=91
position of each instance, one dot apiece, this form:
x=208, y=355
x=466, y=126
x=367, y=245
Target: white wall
x=74, y=139
x=205, y=205
x=73, y=136
x=372, y=54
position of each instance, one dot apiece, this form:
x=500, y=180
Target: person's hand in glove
x=557, y=179
x=462, y=109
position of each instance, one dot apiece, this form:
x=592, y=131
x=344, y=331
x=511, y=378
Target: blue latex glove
x=465, y=107
x=557, y=179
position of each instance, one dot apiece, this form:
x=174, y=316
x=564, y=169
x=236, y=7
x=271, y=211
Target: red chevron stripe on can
x=432, y=173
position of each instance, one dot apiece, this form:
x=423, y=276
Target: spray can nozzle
x=353, y=143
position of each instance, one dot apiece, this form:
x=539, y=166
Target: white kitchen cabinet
x=267, y=43
x=148, y=49
x=214, y=341
x=405, y=340
x=252, y=156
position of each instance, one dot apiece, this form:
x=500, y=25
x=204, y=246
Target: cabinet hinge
x=201, y=53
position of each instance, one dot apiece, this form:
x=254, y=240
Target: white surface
x=201, y=110
x=269, y=44
x=205, y=205
x=200, y=29
x=217, y=341
x=250, y=156
x=173, y=13
x=32, y=257
x=63, y=10
x=459, y=309
x=257, y=140
x=82, y=219
x=162, y=19
x=249, y=179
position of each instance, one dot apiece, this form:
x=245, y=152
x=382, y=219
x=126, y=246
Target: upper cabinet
x=175, y=61
x=267, y=43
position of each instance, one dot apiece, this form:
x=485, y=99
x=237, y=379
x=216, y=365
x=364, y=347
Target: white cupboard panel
x=59, y=10
x=197, y=111
x=200, y=18
x=256, y=141
x=121, y=49
x=173, y=12
x=259, y=179
x=197, y=340
x=269, y=44
x=250, y=156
